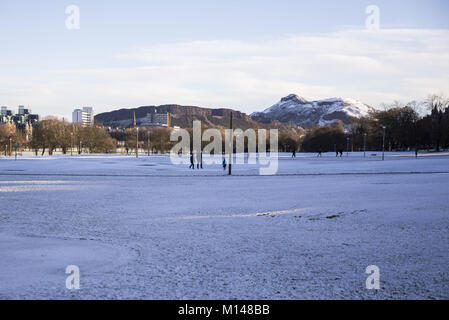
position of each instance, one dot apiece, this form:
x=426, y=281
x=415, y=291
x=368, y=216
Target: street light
x=383, y=143
x=347, y=146
x=10, y=146
x=364, y=144
x=148, y=144
x=71, y=143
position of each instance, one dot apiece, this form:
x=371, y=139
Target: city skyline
x=239, y=56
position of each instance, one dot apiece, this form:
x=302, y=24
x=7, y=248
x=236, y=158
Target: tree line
x=52, y=134
x=405, y=129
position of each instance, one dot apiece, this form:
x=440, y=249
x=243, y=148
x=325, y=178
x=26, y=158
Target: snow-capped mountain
x=296, y=109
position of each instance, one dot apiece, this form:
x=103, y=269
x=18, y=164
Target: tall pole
x=71, y=143
x=230, y=145
x=415, y=138
x=383, y=143
x=148, y=142
x=10, y=150
x=347, y=146
x=137, y=142
x=364, y=144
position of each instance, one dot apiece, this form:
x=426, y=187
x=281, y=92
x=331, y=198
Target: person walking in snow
x=199, y=160
x=294, y=154
x=192, y=164
x=224, y=164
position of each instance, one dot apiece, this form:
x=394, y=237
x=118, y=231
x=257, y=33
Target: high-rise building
x=159, y=119
x=22, y=118
x=84, y=116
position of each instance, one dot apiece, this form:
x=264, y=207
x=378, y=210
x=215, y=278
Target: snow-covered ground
x=146, y=229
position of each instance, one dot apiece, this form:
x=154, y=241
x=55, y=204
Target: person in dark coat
x=199, y=160
x=192, y=164
x=224, y=164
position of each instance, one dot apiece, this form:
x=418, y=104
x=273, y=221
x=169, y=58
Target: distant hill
x=297, y=110
x=182, y=116
x=290, y=110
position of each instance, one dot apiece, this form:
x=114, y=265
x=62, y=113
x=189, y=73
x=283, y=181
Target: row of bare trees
x=51, y=134
x=9, y=135
x=405, y=129
x=157, y=140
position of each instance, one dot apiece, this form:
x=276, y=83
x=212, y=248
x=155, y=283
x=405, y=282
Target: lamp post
x=347, y=146
x=71, y=143
x=137, y=142
x=231, y=151
x=364, y=144
x=10, y=146
x=148, y=143
x=383, y=143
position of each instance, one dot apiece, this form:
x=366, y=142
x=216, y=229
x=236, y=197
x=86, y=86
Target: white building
x=84, y=116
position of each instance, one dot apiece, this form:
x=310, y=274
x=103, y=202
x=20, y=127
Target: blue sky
x=240, y=54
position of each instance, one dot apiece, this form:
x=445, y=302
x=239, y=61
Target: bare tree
x=437, y=104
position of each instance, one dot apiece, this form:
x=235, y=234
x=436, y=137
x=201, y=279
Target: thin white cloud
x=372, y=66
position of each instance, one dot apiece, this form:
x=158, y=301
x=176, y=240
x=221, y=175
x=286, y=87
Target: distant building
x=159, y=119
x=84, y=116
x=21, y=119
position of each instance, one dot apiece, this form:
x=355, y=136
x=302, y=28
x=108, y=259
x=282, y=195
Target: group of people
x=320, y=153
x=198, y=157
x=199, y=160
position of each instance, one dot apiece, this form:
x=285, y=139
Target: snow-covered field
x=146, y=229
